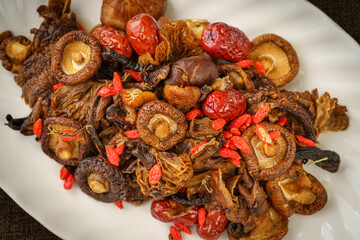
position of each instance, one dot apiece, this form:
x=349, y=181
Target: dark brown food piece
x=152, y=79
x=54, y=10
x=142, y=153
x=64, y=152
x=99, y=179
x=331, y=164
x=201, y=128
x=204, y=199
x=161, y=125
x=76, y=57
x=235, y=230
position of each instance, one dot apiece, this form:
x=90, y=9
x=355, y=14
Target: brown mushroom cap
x=161, y=125
x=278, y=56
x=182, y=97
x=75, y=58
x=267, y=162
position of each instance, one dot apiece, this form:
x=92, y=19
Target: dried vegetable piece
x=330, y=160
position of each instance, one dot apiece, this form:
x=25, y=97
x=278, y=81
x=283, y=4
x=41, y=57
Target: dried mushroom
x=326, y=159
x=75, y=58
x=278, y=56
x=201, y=128
x=99, y=179
x=134, y=97
x=64, y=140
x=161, y=125
x=266, y=162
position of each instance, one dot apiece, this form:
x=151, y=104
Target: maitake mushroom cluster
x=214, y=143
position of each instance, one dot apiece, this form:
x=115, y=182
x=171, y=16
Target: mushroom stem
x=63, y=150
x=162, y=129
x=271, y=150
x=77, y=57
x=97, y=183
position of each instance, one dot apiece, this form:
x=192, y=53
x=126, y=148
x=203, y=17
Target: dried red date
x=215, y=224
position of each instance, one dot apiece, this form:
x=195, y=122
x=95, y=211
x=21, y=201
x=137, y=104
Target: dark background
x=17, y=224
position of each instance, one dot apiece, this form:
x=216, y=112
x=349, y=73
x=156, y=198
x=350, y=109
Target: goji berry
x=241, y=144
x=263, y=134
x=79, y=26
x=64, y=173
x=239, y=121
x=155, y=174
x=69, y=138
x=260, y=114
x=117, y=83
x=229, y=153
x=135, y=75
x=196, y=148
x=132, y=134
x=183, y=227
x=227, y=143
x=112, y=156
x=57, y=86
x=194, y=114
x=232, y=146
x=245, y=63
x=218, y=124
x=201, y=217
x=282, y=121
x=120, y=149
x=275, y=134
x=227, y=134
x=248, y=122
x=305, y=141
x=176, y=234
x=236, y=162
x=107, y=91
x=69, y=181
x=37, y=127
x=120, y=204
x=260, y=67
x=243, y=128
x=235, y=131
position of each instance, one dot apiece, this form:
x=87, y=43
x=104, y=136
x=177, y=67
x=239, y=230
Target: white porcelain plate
x=330, y=61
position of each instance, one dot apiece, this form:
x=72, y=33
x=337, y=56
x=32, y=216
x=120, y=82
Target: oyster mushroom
x=64, y=140
x=161, y=125
x=266, y=162
x=76, y=57
x=99, y=179
x=278, y=56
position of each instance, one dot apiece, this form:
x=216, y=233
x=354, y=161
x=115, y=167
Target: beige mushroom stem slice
x=75, y=56
x=162, y=126
x=97, y=183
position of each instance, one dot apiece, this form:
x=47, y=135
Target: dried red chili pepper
x=201, y=217
x=69, y=138
x=176, y=234
x=37, y=127
x=112, y=156
x=107, y=91
x=64, y=173
x=135, y=75
x=275, y=134
x=132, y=134
x=245, y=63
x=235, y=131
x=241, y=144
x=260, y=67
x=57, y=86
x=183, y=228
x=69, y=182
x=260, y=114
x=155, y=174
x=305, y=141
x=120, y=204
x=120, y=149
x=263, y=134
x=117, y=83
x=194, y=114
x=227, y=134
x=218, y=124
x=282, y=121
x=229, y=153
x=196, y=148
x=239, y=121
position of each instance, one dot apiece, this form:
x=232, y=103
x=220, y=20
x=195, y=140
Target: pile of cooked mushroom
x=150, y=113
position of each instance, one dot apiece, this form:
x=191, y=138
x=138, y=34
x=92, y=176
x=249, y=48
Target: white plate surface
x=330, y=61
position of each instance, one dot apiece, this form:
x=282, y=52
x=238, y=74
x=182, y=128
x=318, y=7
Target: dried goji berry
x=282, y=121
x=260, y=67
x=241, y=144
x=117, y=83
x=70, y=137
x=176, y=234
x=120, y=204
x=194, y=114
x=135, y=75
x=275, y=134
x=79, y=26
x=260, y=114
x=263, y=134
x=112, y=156
x=107, y=91
x=183, y=227
x=218, y=124
x=196, y=148
x=64, y=173
x=37, y=127
x=227, y=143
x=305, y=141
x=155, y=174
x=235, y=131
x=227, y=134
x=69, y=181
x=236, y=162
x=201, y=217
x=56, y=86
x=239, y=121
x=229, y=153
x=120, y=149
x=132, y=134
x=247, y=63
x=248, y=122
x=243, y=128
x=232, y=146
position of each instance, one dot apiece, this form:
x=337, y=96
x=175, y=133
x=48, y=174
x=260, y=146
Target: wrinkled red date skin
x=215, y=224
x=160, y=207
x=112, y=38
x=143, y=33
x=227, y=105
x=225, y=42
